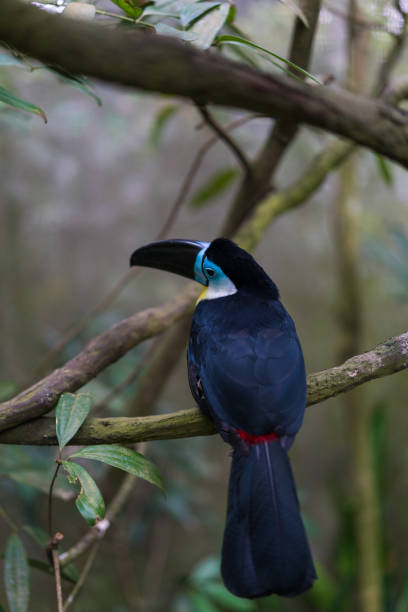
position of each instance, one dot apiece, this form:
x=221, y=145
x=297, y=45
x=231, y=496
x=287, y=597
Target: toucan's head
x=220, y=265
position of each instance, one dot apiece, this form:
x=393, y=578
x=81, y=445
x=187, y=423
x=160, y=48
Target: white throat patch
x=218, y=290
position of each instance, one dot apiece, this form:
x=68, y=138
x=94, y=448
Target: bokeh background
x=78, y=195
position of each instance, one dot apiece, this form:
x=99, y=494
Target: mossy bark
x=158, y=63
x=385, y=359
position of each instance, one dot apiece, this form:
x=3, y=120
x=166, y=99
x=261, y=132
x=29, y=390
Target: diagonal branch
x=224, y=136
x=103, y=350
x=385, y=359
x=158, y=63
x=283, y=201
x=108, y=347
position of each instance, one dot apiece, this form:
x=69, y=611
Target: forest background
x=116, y=167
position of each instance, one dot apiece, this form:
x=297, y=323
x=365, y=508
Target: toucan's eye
x=210, y=272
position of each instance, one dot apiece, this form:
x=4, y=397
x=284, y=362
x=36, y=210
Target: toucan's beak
x=179, y=256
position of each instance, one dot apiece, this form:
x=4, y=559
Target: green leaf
x=16, y=575
x=89, y=501
x=293, y=6
x=10, y=60
x=216, y=185
x=154, y=10
x=72, y=410
x=129, y=7
x=232, y=14
x=384, y=170
x=166, y=30
x=191, y=12
x=245, y=57
x=237, y=40
x=207, y=28
x=83, y=85
x=125, y=459
x=225, y=599
x=8, y=98
x=160, y=121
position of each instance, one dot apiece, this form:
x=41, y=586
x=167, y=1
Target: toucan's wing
x=254, y=378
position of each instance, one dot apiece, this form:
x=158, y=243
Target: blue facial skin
x=212, y=276
x=199, y=275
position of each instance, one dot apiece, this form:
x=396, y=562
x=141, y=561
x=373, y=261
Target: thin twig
x=185, y=188
x=84, y=574
x=222, y=134
x=50, y=532
x=393, y=56
x=115, y=15
x=53, y=546
x=94, y=534
x=192, y=173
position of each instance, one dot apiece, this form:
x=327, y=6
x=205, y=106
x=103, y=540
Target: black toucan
x=246, y=372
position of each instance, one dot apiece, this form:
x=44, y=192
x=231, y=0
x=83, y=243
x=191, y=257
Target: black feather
x=247, y=373
x=265, y=548
x=241, y=268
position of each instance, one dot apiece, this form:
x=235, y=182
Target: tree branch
x=391, y=58
x=108, y=347
x=396, y=92
x=293, y=196
x=224, y=136
x=42, y=396
x=387, y=358
x=83, y=576
x=102, y=351
x=158, y=63
x=280, y=135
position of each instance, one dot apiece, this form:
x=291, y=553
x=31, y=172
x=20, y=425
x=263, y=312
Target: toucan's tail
x=265, y=549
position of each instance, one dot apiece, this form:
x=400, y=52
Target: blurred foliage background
x=78, y=196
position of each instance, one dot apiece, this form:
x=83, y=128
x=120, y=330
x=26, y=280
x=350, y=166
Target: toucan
x=246, y=372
